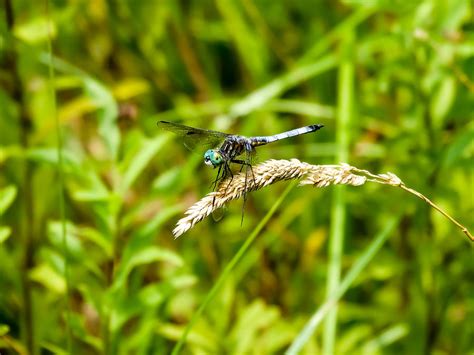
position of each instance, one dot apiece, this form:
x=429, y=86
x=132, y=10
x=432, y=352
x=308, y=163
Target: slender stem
x=428, y=201
x=338, y=211
x=228, y=269
x=342, y=288
x=62, y=213
x=393, y=180
x=27, y=218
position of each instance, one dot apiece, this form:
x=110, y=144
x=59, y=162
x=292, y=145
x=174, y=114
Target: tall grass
x=345, y=114
x=90, y=190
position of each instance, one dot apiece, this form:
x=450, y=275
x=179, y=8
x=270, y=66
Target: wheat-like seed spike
x=273, y=171
x=263, y=175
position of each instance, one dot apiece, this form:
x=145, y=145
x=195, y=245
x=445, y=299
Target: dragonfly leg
x=221, y=174
x=229, y=171
x=218, y=177
x=247, y=167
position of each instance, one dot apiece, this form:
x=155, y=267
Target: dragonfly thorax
x=213, y=158
x=232, y=147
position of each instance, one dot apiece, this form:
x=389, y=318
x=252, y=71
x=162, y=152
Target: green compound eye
x=213, y=157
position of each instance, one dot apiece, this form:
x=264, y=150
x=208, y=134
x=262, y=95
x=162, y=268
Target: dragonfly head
x=213, y=158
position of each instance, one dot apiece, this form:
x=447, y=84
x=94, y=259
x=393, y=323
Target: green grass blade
x=338, y=211
x=276, y=87
x=228, y=269
x=61, y=184
x=350, y=278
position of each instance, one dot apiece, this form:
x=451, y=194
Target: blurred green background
x=88, y=263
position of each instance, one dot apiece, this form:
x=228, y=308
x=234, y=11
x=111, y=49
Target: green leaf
x=389, y=336
x=442, y=100
x=148, y=229
x=50, y=156
x=348, y=341
x=5, y=232
x=131, y=87
x=300, y=107
x=55, y=235
x=146, y=255
x=279, y=85
x=166, y=180
x=92, y=187
x=246, y=331
x=102, y=98
x=37, y=30
x=7, y=196
x=98, y=239
x=138, y=158
x=91, y=195
x=49, y=278
x=53, y=348
x=77, y=326
x=462, y=146
x=4, y=329
x=107, y=115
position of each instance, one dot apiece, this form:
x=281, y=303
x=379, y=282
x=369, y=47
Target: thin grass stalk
x=347, y=282
x=230, y=266
x=26, y=261
x=335, y=254
x=338, y=210
x=60, y=167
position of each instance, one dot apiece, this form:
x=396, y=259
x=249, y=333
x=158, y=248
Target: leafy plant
x=90, y=189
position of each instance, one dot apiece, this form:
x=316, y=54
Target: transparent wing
x=194, y=138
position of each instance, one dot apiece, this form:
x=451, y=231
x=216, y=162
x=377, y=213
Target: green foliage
x=90, y=189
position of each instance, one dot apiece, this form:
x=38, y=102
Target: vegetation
x=91, y=189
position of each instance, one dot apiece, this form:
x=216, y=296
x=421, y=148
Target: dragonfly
x=224, y=149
